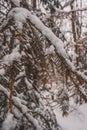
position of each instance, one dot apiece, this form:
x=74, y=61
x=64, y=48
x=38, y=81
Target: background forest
x=43, y=62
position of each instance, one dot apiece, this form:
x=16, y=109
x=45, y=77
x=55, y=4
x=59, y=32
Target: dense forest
x=43, y=61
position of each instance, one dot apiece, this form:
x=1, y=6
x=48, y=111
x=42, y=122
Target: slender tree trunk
x=34, y=4
x=11, y=87
x=74, y=31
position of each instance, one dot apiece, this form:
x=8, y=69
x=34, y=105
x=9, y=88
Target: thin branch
x=23, y=109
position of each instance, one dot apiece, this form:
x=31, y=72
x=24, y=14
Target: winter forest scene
x=43, y=64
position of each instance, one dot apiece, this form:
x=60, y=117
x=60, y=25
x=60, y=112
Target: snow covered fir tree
x=43, y=61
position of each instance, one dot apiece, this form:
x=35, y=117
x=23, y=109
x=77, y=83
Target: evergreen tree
x=30, y=53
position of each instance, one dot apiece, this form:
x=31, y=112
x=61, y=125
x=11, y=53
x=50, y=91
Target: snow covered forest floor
x=76, y=120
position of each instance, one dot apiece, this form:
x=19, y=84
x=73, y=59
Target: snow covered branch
x=22, y=108
x=57, y=43
x=20, y=15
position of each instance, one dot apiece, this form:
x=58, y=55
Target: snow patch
x=2, y=71
x=9, y=122
x=15, y=55
x=50, y=50
x=20, y=15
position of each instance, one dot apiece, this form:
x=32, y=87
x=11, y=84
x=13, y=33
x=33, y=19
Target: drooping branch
x=22, y=108
x=58, y=44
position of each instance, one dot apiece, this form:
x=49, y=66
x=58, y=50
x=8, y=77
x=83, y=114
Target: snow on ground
x=76, y=120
